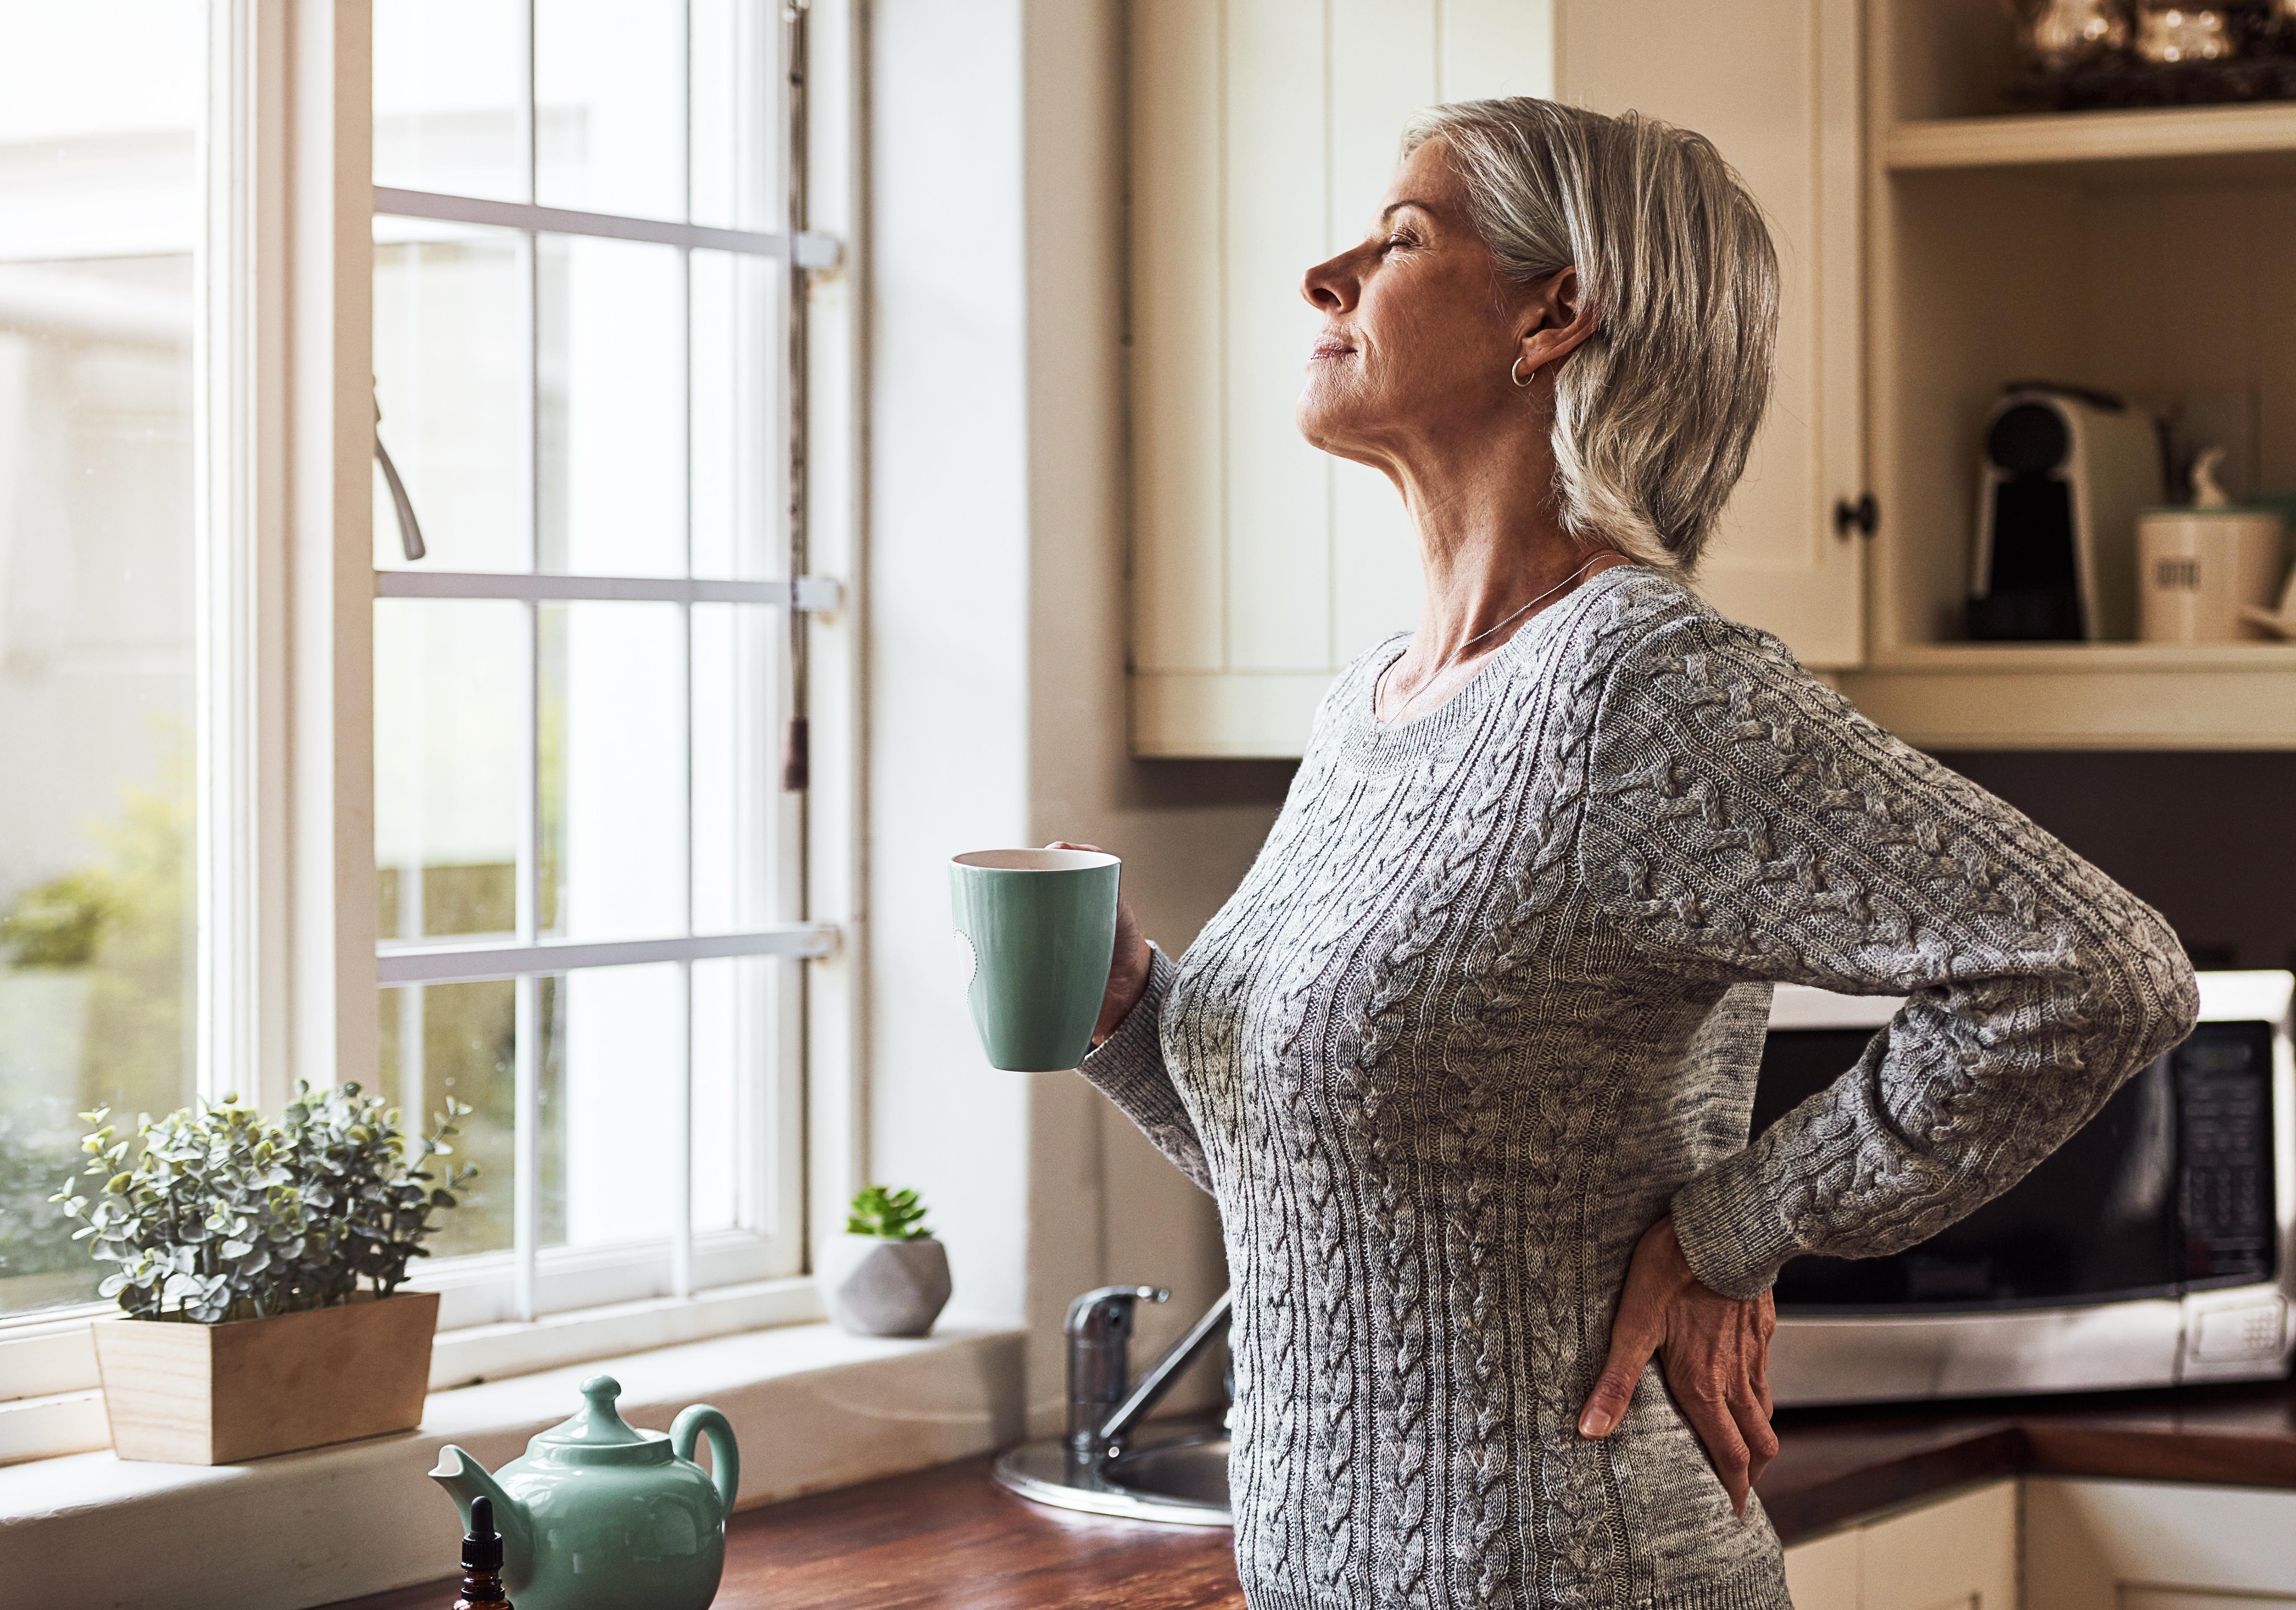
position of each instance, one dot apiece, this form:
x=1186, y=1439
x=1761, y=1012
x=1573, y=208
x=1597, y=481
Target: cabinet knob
x=1862, y=516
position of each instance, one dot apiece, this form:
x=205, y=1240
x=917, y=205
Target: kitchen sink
x=1173, y=1472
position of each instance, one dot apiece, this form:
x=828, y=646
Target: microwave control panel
x=2223, y=1101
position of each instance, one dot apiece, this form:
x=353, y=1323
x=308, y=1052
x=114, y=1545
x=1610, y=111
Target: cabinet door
x=1960, y=1554
x=2095, y=1545
x=1823, y=1575
x=1262, y=134
x=1957, y=1554
x=1775, y=85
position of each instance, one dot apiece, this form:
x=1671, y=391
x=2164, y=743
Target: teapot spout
x=465, y=1478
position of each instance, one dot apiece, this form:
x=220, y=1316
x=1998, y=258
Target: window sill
x=812, y=1407
x=61, y=1412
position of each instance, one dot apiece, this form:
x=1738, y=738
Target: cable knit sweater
x=1491, y=1001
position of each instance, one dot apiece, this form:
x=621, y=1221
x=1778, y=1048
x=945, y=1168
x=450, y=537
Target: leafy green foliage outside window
x=890, y=1215
x=214, y=1213
x=36, y=1233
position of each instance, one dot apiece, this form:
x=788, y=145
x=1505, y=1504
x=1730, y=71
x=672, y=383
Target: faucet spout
x=1163, y=1373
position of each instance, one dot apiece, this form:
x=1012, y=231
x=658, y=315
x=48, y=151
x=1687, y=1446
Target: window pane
x=740, y=462
x=448, y=93
x=612, y=395
x=737, y=799
x=460, y=1040
x=99, y=209
x=613, y=774
x=616, y=1054
x=736, y=139
x=449, y=695
x=609, y=107
x=733, y=1042
x=451, y=349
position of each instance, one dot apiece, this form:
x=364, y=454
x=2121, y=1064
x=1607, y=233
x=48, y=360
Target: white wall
x=997, y=650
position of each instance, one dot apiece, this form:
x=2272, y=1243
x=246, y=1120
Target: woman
x=1469, y=1058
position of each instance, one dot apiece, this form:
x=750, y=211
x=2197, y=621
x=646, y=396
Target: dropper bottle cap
x=482, y=1547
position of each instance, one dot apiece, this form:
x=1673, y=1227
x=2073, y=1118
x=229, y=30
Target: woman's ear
x=1555, y=318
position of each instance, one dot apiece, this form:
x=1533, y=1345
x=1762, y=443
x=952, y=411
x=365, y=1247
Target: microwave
x=2152, y=1249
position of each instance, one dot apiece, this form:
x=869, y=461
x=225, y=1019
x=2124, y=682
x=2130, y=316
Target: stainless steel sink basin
x=1175, y=1473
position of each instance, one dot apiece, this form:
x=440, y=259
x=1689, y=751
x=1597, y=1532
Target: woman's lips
x=1329, y=347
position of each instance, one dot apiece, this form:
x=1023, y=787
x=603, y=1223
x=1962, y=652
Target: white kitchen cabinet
x=1958, y=1553
x=1775, y=85
x=2102, y=1545
x=1263, y=133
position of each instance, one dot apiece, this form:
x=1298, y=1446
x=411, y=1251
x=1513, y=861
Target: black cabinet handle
x=1862, y=516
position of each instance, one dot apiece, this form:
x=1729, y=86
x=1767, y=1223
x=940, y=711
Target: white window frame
x=289, y=971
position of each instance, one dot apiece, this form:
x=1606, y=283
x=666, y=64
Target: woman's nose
x=1329, y=286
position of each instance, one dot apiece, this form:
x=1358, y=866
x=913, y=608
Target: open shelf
x=2105, y=695
x=2050, y=657
x=2143, y=144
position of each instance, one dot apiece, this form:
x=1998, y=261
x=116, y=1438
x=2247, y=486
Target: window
x=590, y=888
x=99, y=210
x=588, y=867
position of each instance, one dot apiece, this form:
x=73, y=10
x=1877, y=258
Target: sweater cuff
x=1730, y=1229
x=1130, y=1062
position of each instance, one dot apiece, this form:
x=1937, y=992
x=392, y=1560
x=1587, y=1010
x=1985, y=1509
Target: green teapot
x=599, y=1515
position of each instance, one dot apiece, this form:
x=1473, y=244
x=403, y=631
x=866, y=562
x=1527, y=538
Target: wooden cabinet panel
x=1262, y=134
x=1383, y=69
x=2095, y=1545
x=1176, y=308
x=1823, y=1574
x=1957, y=1554
x=1775, y=85
x=1279, y=489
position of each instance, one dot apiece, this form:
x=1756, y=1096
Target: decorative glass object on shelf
x=2087, y=55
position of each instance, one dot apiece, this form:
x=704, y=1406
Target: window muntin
x=100, y=208
x=590, y=822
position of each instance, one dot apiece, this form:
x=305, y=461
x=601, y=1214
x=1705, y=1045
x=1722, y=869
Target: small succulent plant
x=888, y=1215
x=215, y=1214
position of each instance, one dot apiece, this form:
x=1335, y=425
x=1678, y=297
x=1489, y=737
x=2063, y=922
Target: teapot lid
x=596, y=1434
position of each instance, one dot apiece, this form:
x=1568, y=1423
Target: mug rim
x=1035, y=860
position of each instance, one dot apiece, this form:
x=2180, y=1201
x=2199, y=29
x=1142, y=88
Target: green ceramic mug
x=1036, y=929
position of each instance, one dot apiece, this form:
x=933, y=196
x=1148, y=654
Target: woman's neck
x=1492, y=555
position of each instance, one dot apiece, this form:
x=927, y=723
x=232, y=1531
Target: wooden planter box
x=216, y=1394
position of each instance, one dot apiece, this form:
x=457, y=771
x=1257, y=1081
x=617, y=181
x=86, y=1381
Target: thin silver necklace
x=1460, y=653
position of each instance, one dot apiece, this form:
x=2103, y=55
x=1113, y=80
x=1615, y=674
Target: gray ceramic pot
x=876, y=1287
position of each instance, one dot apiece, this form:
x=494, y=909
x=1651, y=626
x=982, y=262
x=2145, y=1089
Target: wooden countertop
x=950, y=1539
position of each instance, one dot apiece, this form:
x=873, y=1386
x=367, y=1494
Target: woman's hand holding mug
x=1127, y=969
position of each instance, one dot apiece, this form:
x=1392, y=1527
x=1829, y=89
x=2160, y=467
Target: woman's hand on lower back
x=1127, y=968
x=1714, y=1351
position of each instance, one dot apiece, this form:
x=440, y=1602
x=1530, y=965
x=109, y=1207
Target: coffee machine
x=2065, y=472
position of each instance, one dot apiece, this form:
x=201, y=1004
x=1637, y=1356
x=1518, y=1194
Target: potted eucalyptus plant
x=258, y=1267
x=886, y=1275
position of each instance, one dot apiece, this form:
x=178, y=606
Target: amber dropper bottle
x=482, y=1560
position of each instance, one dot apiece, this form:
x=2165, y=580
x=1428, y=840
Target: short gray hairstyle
x=1654, y=415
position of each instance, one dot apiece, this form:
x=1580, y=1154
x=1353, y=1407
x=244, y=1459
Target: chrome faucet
x=1103, y=1403
x=1100, y=1360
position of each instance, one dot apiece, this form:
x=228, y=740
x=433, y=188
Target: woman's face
x=1419, y=329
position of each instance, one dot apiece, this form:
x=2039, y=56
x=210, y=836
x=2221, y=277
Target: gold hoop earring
x=1514, y=373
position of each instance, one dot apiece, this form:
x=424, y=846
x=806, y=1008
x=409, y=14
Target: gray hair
x=1655, y=413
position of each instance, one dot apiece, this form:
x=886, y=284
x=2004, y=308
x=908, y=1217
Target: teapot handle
x=700, y=1421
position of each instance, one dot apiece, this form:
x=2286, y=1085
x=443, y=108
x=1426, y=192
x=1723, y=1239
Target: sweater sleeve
x=1128, y=1068
x=1743, y=824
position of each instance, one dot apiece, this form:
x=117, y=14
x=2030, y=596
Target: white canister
x=2198, y=569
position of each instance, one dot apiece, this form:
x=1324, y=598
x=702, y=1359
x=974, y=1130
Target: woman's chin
x=1327, y=422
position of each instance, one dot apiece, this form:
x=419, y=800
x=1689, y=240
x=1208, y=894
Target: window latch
x=410, y=532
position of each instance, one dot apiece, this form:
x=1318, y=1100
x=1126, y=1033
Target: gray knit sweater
x=1491, y=1001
